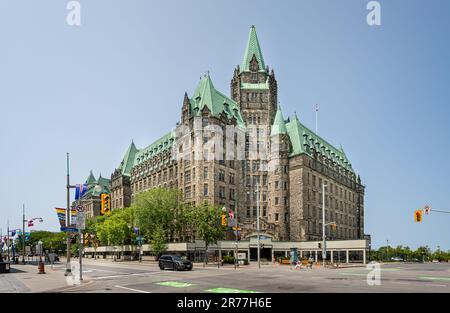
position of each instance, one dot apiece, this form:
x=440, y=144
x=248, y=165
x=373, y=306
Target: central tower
x=254, y=89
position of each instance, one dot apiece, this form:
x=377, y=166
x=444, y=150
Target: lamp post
x=324, y=248
x=257, y=225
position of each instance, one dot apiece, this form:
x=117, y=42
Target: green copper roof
x=305, y=141
x=128, y=160
x=205, y=95
x=253, y=48
x=279, y=125
x=161, y=145
x=91, y=179
x=96, y=187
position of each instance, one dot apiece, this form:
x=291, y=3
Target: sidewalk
x=25, y=278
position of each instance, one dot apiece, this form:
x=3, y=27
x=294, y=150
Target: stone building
x=266, y=161
x=91, y=200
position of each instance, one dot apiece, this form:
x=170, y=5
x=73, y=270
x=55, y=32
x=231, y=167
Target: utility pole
x=324, y=248
x=7, y=237
x=236, y=235
x=68, y=218
x=257, y=224
x=23, y=234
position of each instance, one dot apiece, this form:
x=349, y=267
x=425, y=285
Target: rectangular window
x=205, y=189
x=277, y=217
x=205, y=172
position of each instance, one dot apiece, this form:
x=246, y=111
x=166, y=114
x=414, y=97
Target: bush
x=227, y=259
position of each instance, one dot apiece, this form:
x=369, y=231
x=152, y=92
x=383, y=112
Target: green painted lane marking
x=230, y=290
x=176, y=284
x=433, y=278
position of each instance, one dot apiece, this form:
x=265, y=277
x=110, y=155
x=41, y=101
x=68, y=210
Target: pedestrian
x=310, y=261
x=298, y=265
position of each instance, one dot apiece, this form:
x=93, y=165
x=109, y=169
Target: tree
x=158, y=242
x=207, y=224
x=158, y=208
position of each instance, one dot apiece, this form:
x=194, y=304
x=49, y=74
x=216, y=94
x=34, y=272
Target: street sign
x=427, y=209
x=69, y=229
x=80, y=208
x=81, y=221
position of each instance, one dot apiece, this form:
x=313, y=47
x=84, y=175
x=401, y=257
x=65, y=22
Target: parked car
x=174, y=262
x=397, y=259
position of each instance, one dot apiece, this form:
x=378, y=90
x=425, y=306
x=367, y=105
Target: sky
x=383, y=93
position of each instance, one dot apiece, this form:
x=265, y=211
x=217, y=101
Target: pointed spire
x=128, y=159
x=91, y=179
x=252, y=49
x=279, y=125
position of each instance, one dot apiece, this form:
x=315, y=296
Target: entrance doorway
x=265, y=253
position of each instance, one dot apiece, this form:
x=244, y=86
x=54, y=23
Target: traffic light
x=224, y=220
x=418, y=216
x=319, y=245
x=105, y=204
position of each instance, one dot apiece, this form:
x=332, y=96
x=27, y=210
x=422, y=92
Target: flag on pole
x=80, y=191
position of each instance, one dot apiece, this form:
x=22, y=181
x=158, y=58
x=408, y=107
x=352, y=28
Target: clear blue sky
x=383, y=92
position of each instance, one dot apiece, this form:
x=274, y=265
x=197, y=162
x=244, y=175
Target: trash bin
x=5, y=267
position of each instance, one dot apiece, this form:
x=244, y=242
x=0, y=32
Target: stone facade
x=281, y=173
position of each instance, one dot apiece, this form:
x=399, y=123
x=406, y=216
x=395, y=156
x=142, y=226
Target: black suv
x=174, y=262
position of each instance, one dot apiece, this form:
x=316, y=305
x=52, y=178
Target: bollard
x=41, y=267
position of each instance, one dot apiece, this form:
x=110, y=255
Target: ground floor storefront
x=337, y=251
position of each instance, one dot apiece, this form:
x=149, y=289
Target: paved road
x=147, y=278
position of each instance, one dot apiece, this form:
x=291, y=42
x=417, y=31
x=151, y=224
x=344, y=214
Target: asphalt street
x=106, y=276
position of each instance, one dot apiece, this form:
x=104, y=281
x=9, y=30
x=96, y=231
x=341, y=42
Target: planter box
x=285, y=261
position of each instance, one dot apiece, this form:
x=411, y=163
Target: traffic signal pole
x=324, y=249
x=68, y=269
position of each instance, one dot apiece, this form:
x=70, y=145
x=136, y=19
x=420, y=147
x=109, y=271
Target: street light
x=257, y=225
x=324, y=249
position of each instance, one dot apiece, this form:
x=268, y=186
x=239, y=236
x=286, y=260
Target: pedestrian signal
x=418, y=216
x=105, y=204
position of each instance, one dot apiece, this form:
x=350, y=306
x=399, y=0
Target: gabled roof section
x=159, y=146
x=91, y=179
x=304, y=140
x=279, y=125
x=252, y=48
x=128, y=160
x=206, y=96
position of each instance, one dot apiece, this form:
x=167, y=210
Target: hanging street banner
x=62, y=217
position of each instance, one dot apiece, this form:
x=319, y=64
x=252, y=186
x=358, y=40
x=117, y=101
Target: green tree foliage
x=207, y=221
x=156, y=208
x=158, y=241
x=421, y=254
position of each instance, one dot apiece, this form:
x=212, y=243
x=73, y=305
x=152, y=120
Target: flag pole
x=317, y=119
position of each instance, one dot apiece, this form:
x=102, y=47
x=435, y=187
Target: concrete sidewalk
x=25, y=278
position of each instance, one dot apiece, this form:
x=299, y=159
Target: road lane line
x=436, y=285
x=126, y=275
x=131, y=289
